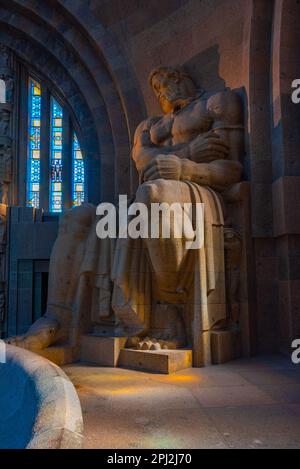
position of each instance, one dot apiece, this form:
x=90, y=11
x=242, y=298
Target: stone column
x=7, y=144
x=286, y=167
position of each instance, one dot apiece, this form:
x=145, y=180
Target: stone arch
x=56, y=32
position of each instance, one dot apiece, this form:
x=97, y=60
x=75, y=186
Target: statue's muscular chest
x=181, y=127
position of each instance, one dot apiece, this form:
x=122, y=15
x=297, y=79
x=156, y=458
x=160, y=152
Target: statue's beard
x=171, y=101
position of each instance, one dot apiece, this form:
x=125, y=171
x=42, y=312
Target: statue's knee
x=151, y=192
x=77, y=218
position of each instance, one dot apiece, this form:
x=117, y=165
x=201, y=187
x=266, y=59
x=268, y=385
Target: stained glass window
x=34, y=143
x=78, y=173
x=56, y=157
x=54, y=141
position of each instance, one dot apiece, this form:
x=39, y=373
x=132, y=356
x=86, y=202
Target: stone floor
x=248, y=403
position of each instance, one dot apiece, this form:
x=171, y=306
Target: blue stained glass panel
x=56, y=157
x=34, y=144
x=78, y=173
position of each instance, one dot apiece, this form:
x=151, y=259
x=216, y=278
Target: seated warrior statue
x=153, y=290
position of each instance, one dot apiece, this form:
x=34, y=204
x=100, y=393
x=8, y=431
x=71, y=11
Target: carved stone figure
x=9, y=85
x=4, y=189
x=155, y=291
x=233, y=250
x=5, y=171
x=2, y=234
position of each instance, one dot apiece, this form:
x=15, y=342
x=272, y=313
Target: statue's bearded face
x=170, y=90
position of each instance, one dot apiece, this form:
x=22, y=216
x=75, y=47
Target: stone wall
x=208, y=37
x=286, y=166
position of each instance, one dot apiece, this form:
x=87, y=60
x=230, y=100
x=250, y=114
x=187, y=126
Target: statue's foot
x=167, y=331
x=17, y=340
x=152, y=343
x=29, y=342
x=39, y=336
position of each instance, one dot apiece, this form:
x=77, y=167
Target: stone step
x=156, y=361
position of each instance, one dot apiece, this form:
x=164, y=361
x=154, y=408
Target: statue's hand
x=164, y=167
x=208, y=147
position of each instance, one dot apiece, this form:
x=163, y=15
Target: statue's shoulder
x=225, y=106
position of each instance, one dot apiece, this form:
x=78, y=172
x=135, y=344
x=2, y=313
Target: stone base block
x=225, y=346
x=103, y=351
x=60, y=354
x=156, y=361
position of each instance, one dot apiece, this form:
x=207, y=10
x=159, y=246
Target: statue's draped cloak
x=122, y=272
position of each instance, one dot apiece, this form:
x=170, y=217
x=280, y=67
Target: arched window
x=55, y=166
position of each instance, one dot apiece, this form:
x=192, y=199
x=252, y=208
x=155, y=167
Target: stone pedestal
x=156, y=361
x=60, y=354
x=110, y=351
x=225, y=346
x=103, y=351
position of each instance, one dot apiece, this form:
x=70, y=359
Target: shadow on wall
x=204, y=69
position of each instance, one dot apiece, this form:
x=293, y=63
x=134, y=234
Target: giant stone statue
x=153, y=291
